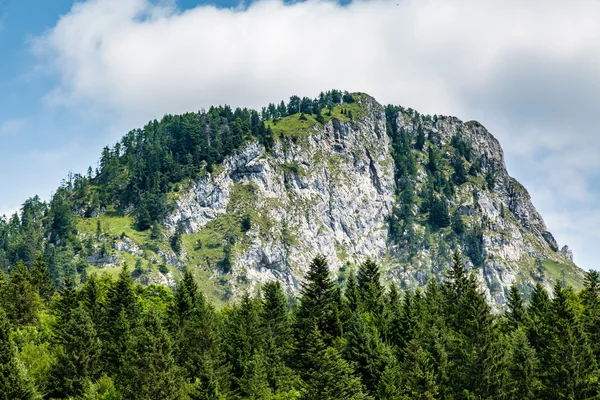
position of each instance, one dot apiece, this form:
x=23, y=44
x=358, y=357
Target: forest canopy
x=113, y=339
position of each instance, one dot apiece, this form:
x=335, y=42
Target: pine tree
x=13, y=385
x=42, y=280
x=19, y=298
x=148, y=370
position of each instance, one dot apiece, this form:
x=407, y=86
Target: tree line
x=135, y=177
x=112, y=339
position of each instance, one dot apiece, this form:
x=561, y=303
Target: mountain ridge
x=242, y=197
x=269, y=259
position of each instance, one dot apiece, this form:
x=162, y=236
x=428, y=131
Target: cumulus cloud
x=529, y=71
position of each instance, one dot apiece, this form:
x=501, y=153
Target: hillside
x=241, y=197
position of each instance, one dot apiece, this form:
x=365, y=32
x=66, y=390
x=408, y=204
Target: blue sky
x=77, y=76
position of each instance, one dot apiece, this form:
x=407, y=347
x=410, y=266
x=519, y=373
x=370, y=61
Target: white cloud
x=529, y=71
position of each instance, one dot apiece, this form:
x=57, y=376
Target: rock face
x=327, y=192
x=567, y=252
x=330, y=189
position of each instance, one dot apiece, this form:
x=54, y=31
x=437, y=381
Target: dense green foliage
x=137, y=181
x=111, y=339
x=137, y=177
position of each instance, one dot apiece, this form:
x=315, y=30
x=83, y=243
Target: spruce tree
x=537, y=324
x=66, y=303
x=516, y=309
x=473, y=346
x=420, y=141
x=42, y=280
x=390, y=386
x=20, y=298
x=328, y=376
x=93, y=297
x=571, y=369
x=370, y=288
x=409, y=317
x=279, y=338
x=460, y=173
x=245, y=340
x=392, y=312
x=186, y=298
x=366, y=350
x=79, y=359
x=590, y=297
x=351, y=295
x=198, y=350
x=121, y=316
x=319, y=303
x=418, y=373
x=523, y=368
x=148, y=370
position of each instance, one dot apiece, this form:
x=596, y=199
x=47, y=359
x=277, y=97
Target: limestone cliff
x=331, y=189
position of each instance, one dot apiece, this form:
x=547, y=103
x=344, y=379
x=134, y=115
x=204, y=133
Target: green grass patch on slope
x=113, y=226
x=227, y=232
x=296, y=126
x=564, y=273
x=291, y=126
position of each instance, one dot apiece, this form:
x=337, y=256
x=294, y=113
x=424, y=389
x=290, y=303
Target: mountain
x=244, y=197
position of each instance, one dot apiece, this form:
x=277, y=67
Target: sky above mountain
x=75, y=77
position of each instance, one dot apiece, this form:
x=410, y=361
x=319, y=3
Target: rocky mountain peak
x=341, y=188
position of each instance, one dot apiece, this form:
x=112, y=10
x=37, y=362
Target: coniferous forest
x=112, y=339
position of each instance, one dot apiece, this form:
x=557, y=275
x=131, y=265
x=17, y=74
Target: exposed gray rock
x=331, y=190
x=104, y=261
x=128, y=246
x=567, y=252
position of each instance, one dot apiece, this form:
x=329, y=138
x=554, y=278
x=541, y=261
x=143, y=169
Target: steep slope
x=242, y=197
x=324, y=189
x=331, y=189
